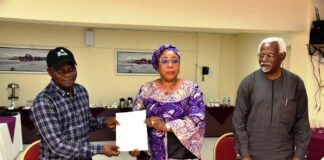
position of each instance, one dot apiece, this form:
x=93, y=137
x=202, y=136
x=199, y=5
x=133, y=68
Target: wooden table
x=29, y=132
x=316, y=146
x=218, y=122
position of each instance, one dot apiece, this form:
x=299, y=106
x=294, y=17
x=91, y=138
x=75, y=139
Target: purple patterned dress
x=183, y=110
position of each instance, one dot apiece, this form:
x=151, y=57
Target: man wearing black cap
x=61, y=113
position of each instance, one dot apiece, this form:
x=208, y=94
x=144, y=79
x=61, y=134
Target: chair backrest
x=31, y=152
x=224, y=147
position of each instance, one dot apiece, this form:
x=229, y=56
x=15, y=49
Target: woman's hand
x=135, y=153
x=157, y=123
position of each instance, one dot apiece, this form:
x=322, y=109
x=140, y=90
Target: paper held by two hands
x=131, y=133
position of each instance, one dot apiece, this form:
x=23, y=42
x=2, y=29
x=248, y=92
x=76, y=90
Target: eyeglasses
x=173, y=61
x=268, y=56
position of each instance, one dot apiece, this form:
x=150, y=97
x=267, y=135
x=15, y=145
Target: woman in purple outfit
x=175, y=111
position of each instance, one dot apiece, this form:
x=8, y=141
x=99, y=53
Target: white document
x=131, y=133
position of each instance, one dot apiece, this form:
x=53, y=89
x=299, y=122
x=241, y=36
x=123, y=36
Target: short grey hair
x=279, y=40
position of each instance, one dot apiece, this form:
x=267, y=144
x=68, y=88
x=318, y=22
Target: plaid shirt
x=64, y=123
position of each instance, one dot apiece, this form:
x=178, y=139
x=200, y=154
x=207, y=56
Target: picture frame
x=133, y=62
x=23, y=59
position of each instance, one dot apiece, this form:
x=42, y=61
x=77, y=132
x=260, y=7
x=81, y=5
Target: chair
x=224, y=147
x=31, y=152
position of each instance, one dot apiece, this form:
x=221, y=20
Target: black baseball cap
x=58, y=56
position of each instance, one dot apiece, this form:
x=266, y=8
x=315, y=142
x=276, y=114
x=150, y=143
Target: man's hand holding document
x=131, y=133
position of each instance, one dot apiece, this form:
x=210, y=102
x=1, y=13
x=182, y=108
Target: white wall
x=96, y=64
x=228, y=64
x=189, y=15
x=209, y=47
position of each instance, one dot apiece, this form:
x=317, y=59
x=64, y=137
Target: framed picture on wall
x=23, y=59
x=133, y=62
